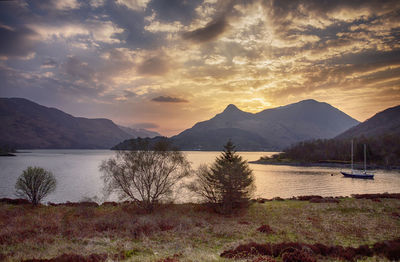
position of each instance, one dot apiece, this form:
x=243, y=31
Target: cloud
x=115, y=56
x=136, y=5
x=49, y=63
x=169, y=99
x=174, y=10
x=154, y=66
x=78, y=69
x=210, y=32
x=17, y=42
x=56, y=5
x=98, y=31
x=128, y=93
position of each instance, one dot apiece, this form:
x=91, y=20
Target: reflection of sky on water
x=78, y=175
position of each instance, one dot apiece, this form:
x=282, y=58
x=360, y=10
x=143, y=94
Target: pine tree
x=229, y=181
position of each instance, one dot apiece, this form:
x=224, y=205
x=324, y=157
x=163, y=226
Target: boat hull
x=362, y=176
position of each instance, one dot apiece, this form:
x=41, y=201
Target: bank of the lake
x=325, y=163
x=192, y=232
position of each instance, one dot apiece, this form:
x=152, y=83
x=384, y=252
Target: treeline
x=141, y=143
x=6, y=150
x=382, y=150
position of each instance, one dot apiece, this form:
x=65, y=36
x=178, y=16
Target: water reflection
x=78, y=175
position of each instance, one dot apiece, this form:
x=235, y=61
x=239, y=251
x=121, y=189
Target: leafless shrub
x=145, y=176
x=34, y=184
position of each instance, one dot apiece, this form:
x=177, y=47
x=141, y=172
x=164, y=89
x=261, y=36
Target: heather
x=365, y=228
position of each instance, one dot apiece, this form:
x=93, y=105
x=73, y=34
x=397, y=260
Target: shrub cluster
x=294, y=251
x=265, y=229
x=73, y=258
x=376, y=196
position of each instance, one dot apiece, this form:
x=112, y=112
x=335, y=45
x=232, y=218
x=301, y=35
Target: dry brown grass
x=123, y=232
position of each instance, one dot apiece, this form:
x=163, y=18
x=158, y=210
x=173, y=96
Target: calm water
x=78, y=175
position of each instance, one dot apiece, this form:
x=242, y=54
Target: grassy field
x=190, y=232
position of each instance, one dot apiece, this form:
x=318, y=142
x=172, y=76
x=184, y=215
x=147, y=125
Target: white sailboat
x=358, y=174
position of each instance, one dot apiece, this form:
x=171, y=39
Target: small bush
x=298, y=256
x=389, y=249
x=265, y=229
x=174, y=258
x=307, y=198
x=248, y=250
x=376, y=196
x=34, y=184
x=76, y=204
x=263, y=259
x=73, y=258
x=18, y=201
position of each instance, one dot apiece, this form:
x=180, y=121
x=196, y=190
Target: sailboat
x=358, y=174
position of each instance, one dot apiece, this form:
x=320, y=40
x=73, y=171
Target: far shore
x=323, y=164
x=7, y=154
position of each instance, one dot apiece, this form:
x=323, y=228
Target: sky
x=166, y=64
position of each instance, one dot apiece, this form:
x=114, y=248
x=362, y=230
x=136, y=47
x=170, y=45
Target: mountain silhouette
x=25, y=124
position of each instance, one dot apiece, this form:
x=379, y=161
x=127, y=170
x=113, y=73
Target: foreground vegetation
x=192, y=232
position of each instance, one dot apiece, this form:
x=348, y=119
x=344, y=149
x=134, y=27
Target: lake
x=78, y=176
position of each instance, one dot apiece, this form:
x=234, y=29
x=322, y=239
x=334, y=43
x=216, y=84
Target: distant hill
x=271, y=129
x=386, y=122
x=25, y=124
x=139, y=132
x=380, y=133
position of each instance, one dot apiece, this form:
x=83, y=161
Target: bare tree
x=145, y=176
x=34, y=184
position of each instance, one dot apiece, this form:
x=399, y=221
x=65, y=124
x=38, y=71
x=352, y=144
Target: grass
x=189, y=232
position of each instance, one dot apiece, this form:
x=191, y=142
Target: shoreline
x=337, y=165
x=7, y=154
x=91, y=203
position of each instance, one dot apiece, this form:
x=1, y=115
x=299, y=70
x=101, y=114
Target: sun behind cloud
x=174, y=63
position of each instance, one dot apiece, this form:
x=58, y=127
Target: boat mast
x=365, y=158
x=352, y=156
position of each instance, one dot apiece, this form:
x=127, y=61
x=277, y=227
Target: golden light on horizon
x=168, y=67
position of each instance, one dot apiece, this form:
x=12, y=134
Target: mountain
x=139, y=132
x=25, y=124
x=383, y=123
x=270, y=129
x=380, y=134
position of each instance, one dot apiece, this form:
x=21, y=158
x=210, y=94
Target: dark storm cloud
x=17, y=42
x=132, y=22
x=370, y=57
x=174, y=10
x=154, y=66
x=169, y=99
x=78, y=69
x=207, y=33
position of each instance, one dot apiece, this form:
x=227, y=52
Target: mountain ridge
x=385, y=122
x=268, y=130
x=26, y=124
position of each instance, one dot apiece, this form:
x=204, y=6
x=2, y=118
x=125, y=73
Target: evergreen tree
x=229, y=181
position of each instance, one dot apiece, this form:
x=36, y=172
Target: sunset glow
x=165, y=65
